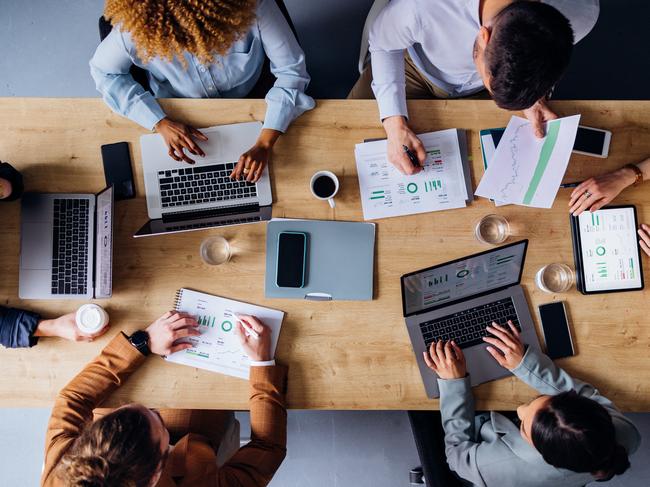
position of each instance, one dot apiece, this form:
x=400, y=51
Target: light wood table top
x=342, y=355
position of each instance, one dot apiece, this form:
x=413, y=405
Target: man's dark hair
x=528, y=51
x=577, y=433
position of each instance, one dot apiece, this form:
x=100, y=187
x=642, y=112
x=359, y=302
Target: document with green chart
x=527, y=170
x=441, y=185
x=218, y=348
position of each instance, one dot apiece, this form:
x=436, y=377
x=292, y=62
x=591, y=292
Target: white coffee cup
x=91, y=318
x=324, y=185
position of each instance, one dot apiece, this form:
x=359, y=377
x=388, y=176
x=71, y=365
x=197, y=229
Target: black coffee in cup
x=324, y=186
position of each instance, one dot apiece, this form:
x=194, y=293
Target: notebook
x=218, y=348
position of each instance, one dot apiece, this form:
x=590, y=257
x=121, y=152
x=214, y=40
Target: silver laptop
x=458, y=299
x=182, y=197
x=66, y=246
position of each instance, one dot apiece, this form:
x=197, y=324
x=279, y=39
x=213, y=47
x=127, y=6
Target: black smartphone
x=592, y=142
x=292, y=256
x=117, y=170
x=555, y=327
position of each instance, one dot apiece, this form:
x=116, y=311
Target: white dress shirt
x=232, y=75
x=439, y=37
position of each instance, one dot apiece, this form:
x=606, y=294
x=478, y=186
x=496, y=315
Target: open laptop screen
x=104, y=245
x=463, y=278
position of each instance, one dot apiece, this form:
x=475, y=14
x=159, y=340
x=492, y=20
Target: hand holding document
x=526, y=170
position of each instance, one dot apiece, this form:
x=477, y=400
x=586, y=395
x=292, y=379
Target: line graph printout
x=610, y=252
x=386, y=192
x=217, y=348
x=526, y=170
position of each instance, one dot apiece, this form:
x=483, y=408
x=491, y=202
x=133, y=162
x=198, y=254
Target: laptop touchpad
x=36, y=251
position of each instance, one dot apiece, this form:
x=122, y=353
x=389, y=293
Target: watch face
x=139, y=339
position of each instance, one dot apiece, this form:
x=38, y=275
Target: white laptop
x=182, y=197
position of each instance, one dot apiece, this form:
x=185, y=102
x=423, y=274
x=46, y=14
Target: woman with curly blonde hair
x=201, y=49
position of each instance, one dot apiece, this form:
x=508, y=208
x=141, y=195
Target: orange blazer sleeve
x=255, y=463
x=73, y=407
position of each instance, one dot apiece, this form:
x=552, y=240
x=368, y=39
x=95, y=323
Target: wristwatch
x=140, y=340
x=638, y=173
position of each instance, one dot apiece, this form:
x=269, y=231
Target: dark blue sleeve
x=17, y=327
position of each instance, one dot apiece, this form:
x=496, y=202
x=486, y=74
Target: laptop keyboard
x=70, y=246
x=203, y=184
x=467, y=328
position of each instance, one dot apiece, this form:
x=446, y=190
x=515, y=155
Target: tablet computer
x=606, y=250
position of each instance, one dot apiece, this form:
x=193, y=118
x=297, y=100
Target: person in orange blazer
x=136, y=446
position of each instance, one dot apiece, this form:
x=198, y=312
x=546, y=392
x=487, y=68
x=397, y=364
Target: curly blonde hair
x=168, y=28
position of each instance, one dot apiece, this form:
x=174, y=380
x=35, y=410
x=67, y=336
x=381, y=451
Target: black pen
x=571, y=185
x=411, y=156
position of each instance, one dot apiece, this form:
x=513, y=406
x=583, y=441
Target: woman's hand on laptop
x=446, y=359
x=179, y=136
x=507, y=347
x=251, y=163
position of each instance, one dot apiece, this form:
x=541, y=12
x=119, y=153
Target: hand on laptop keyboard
x=179, y=136
x=446, y=359
x=509, y=350
x=252, y=162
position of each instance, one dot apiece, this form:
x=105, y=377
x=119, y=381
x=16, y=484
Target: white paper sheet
x=526, y=170
x=218, y=348
x=385, y=192
x=488, y=150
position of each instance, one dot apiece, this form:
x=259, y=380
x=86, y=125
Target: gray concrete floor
x=46, y=46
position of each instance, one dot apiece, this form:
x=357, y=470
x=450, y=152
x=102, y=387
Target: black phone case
x=117, y=169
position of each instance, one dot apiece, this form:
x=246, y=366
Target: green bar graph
x=601, y=269
x=378, y=195
x=595, y=220
x=544, y=158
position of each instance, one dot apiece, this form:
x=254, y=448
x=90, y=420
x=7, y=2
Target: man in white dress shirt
x=516, y=49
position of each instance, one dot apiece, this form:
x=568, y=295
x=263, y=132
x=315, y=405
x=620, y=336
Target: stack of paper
x=444, y=183
x=526, y=170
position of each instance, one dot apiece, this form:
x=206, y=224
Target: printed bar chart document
x=441, y=185
x=218, y=348
x=526, y=170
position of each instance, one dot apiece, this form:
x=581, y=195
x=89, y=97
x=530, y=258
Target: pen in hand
x=249, y=331
x=411, y=156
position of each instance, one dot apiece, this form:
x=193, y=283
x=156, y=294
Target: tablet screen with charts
x=609, y=248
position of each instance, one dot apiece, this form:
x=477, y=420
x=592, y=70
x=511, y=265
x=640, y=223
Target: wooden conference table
x=342, y=355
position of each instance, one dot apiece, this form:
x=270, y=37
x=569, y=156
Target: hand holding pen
x=255, y=338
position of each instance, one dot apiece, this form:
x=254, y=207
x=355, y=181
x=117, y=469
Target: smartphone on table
x=118, y=171
x=592, y=142
x=292, y=259
x=555, y=326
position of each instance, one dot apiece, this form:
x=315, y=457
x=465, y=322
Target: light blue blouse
x=230, y=76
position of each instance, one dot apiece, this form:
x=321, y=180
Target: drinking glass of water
x=492, y=229
x=554, y=278
x=215, y=250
